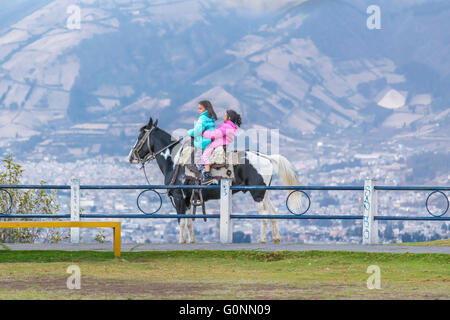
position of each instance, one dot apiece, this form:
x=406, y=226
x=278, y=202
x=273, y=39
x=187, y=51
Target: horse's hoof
x=276, y=240
x=262, y=241
x=193, y=241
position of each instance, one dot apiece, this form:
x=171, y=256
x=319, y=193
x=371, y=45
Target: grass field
x=223, y=275
x=437, y=243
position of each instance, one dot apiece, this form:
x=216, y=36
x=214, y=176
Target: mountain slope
x=309, y=68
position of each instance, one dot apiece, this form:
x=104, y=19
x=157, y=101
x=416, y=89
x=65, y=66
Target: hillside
x=309, y=68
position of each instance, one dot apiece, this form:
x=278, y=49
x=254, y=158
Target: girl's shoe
x=206, y=177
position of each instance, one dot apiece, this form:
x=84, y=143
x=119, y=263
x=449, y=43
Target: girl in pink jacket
x=222, y=136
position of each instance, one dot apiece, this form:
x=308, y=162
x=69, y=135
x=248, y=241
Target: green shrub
x=25, y=201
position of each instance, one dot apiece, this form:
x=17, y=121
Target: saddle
x=221, y=163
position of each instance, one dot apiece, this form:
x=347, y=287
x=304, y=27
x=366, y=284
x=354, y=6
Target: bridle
x=139, y=144
x=150, y=155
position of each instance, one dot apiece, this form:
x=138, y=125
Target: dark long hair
x=234, y=117
x=208, y=106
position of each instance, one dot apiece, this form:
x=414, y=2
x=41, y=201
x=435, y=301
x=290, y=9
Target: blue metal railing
x=434, y=189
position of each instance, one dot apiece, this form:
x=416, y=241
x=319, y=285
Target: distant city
x=329, y=165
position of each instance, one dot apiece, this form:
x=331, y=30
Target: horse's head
x=142, y=149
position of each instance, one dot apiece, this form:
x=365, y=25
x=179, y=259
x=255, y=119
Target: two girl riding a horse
x=207, y=137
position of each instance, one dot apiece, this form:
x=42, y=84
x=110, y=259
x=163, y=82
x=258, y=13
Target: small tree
x=25, y=202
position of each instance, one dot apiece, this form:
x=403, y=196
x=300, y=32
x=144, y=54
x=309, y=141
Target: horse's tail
x=287, y=174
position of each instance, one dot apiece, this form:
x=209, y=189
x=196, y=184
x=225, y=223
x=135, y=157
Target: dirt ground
x=225, y=275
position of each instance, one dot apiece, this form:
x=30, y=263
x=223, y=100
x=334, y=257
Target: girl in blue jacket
x=204, y=122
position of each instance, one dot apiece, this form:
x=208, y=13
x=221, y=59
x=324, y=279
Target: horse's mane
x=165, y=134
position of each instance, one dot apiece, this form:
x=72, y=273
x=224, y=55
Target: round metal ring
x=428, y=209
x=160, y=201
x=287, y=202
x=10, y=202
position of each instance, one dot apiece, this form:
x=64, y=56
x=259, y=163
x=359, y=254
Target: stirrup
x=207, y=182
x=196, y=202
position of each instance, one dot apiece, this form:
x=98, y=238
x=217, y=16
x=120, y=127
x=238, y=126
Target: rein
x=152, y=155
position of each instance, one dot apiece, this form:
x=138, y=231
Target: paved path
x=234, y=246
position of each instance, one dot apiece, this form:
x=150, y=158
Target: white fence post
x=75, y=209
x=226, y=228
x=370, y=206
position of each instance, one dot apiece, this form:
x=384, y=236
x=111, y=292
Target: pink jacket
x=223, y=135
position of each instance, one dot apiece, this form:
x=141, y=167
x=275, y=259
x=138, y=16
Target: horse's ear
x=156, y=123
x=150, y=122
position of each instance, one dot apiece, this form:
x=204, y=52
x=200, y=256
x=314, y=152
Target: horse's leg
x=272, y=210
x=258, y=196
x=261, y=209
x=180, y=207
x=182, y=225
x=191, y=230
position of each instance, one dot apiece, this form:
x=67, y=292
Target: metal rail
x=369, y=217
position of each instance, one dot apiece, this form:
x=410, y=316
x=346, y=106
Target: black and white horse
x=255, y=169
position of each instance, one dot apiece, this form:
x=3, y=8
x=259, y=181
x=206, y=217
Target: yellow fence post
x=117, y=231
x=116, y=226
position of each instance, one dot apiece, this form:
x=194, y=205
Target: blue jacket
x=203, y=123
